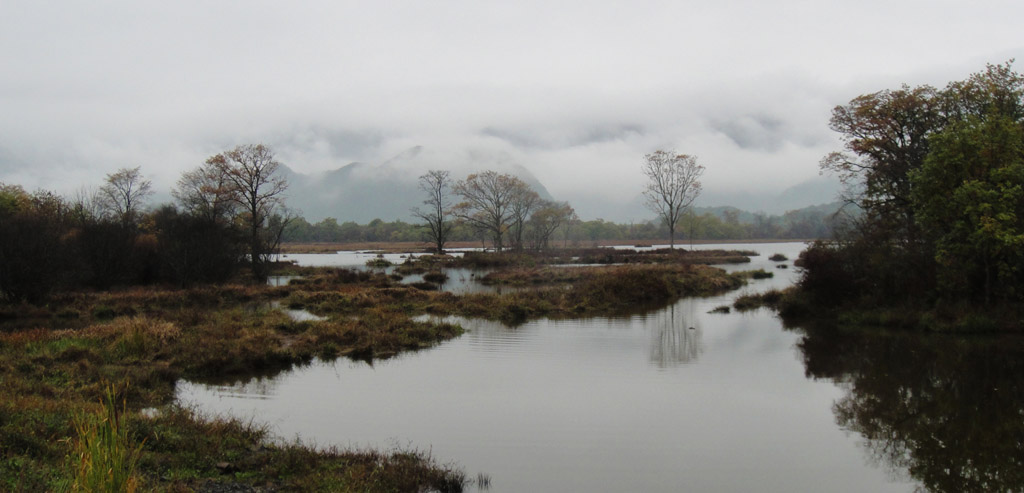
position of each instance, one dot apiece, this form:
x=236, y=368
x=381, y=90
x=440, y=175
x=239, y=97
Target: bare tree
x=123, y=193
x=524, y=202
x=673, y=184
x=207, y=192
x=674, y=343
x=438, y=207
x=86, y=205
x=487, y=202
x=547, y=219
x=258, y=190
x=274, y=231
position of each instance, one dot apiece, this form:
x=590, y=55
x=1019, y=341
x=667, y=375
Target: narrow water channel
x=672, y=400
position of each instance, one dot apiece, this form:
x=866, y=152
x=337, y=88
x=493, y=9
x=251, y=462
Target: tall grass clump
x=104, y=458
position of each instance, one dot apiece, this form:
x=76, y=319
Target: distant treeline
x=705, y=224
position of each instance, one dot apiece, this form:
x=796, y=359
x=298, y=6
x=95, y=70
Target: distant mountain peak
x=409, y=154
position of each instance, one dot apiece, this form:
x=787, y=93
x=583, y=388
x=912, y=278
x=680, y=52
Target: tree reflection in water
x=674, y=342
x=947, y=411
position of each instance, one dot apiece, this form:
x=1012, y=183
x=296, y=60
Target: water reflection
x=297, y=315
x=674, y=341
x=947, y=412
x=257, y=388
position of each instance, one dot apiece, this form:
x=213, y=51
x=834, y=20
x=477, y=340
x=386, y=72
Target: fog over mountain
x=362, y=192
x=574, y=91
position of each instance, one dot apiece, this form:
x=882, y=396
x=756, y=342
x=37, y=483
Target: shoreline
x=414, y=246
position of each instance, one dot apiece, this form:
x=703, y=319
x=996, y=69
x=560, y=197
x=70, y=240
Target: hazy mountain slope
x=819, y=190
x=362, y=192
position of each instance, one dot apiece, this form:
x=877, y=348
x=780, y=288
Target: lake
x=670, y=400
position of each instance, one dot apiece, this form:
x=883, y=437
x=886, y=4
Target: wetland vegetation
x=56, y=365
x=60, y=359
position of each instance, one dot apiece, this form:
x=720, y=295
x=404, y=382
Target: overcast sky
x=577, y=92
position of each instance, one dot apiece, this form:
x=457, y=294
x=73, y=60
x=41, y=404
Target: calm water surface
x=676, y=399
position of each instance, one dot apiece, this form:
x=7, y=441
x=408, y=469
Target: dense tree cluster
x=939, y=176
x=228, y=216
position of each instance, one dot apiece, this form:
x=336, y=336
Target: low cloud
x=577, y=93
